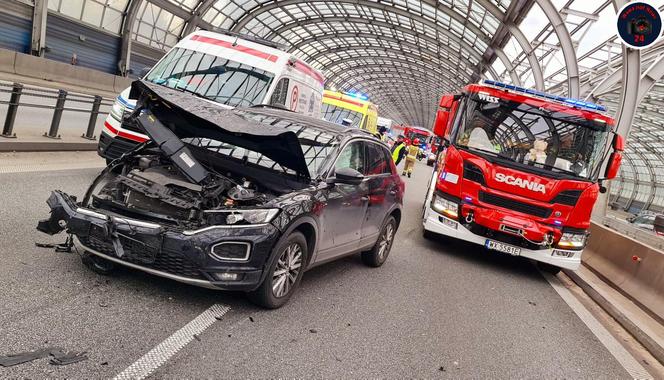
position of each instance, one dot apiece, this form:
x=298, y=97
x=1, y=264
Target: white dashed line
x=159, y=355
x=631, y=365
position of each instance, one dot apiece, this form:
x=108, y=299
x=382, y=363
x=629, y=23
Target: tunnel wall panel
x=15, y=32
x=94, y=49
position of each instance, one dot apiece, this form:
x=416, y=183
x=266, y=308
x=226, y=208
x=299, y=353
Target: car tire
x=295, y=247
x=377, y=255
x=548, y=268
x=97, y=264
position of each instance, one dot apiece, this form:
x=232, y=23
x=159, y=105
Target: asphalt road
x=435, y=309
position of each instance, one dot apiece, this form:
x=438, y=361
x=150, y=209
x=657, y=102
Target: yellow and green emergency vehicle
x=354, y=110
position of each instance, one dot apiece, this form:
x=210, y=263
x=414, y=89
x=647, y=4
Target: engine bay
x=151, y=186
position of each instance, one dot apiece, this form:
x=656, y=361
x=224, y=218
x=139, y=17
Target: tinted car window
x=352, y=156
x=376, y=161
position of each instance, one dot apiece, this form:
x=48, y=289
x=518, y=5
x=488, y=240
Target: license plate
x=502, y=247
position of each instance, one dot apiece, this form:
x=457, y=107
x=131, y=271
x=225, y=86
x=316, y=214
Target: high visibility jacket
x=396, y=152
x=412, y=152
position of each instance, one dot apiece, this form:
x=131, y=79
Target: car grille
x=164, y=261
x=497, y=200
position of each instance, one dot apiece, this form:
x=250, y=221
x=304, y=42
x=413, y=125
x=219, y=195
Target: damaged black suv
x=243, y=199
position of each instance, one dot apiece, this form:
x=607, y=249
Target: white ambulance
x=229, y=70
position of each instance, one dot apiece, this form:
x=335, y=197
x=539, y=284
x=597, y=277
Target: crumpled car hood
x=188, y=116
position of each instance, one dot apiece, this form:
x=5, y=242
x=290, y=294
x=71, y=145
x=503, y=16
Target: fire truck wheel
x=97, y=264
x=544, y=267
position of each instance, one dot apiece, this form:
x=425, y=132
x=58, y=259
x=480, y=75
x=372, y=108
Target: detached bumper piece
x=162, y=250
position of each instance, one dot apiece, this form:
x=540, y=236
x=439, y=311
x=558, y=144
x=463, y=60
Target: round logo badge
x=639, y=24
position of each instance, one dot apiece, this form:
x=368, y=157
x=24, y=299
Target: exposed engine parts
x=153, y=186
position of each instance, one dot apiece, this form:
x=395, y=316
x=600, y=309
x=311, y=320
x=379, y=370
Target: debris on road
x=198, y=338
x=532, y=303
x=24, y=357
x=442, y=368
x=59, y=357
x=251, y=318
x=313, y=331
x=66, y=247
x=64, y=358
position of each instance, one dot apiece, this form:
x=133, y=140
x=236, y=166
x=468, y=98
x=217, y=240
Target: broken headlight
x=257, y=216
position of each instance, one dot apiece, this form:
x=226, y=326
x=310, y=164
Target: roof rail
x=561, y=99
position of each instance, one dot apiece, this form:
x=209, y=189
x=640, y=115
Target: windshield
x=420, y=136
x=316, y=144
x=337, y=115
x=524, y=134
x=209, y=76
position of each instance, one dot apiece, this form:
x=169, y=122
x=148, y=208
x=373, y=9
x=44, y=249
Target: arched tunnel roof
x=404, y=54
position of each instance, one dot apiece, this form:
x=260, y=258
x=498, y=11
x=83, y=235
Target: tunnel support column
x=38, y=39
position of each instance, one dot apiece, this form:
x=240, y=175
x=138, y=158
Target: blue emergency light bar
x=357, y=95
x=569, y=101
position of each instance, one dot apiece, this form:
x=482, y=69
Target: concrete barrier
x=40, y=71
x=121, y=83
x=7, y=59
x=610, y=254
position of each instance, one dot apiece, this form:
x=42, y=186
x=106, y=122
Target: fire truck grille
x=567, y=197
x=473, y=173
x=497, y=200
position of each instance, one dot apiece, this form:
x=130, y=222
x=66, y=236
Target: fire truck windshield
x=532, y=137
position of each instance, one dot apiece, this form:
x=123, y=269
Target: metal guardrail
x=625, y=228
x=61, y=97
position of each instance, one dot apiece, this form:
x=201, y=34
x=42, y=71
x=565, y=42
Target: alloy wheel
x=287, y=270
x=386, y=241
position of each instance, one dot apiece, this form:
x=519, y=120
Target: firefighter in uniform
x=398, y=150
x=413, y=149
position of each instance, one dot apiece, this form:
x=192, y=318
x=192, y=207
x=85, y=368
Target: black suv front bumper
x=166, y=251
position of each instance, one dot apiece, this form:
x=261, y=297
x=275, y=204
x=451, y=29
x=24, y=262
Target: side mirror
x=440, y=124
x=615, y=158
x=446, y=101
x=346, y=176
x=144, y=71
x=618, y=143
x=614, y=165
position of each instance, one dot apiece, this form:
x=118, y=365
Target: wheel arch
x=307, y=226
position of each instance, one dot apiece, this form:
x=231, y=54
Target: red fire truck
x=413, y=133
x=519, y=171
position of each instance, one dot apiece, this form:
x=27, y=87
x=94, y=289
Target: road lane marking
x=628, y=362
x=159, y=355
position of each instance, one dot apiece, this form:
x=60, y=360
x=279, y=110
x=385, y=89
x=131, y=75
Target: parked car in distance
x=648, y=221
x=244, y=199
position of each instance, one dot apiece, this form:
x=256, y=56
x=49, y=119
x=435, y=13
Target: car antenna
x=235, y=42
